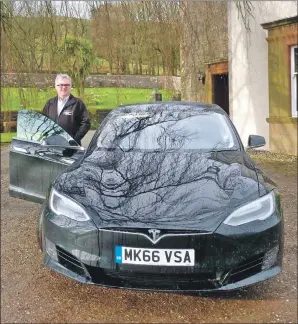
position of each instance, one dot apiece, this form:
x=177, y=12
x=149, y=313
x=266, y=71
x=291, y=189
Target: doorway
x=220, y=85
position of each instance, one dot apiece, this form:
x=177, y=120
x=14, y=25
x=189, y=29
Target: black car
x=165, y=198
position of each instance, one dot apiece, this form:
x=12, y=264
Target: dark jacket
x=74, y=117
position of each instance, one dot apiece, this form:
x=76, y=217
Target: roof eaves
x=280, y=22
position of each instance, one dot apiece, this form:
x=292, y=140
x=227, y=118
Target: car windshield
x=168, y=131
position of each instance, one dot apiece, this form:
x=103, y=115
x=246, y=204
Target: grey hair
x=63, y=76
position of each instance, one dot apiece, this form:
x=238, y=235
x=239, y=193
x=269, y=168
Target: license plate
x=158, y=257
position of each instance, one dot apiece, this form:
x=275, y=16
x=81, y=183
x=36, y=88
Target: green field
x=6, y=137
x=95, y=98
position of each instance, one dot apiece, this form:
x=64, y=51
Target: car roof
x=155, y=107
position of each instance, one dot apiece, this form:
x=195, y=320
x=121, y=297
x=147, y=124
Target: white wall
x=248, y=66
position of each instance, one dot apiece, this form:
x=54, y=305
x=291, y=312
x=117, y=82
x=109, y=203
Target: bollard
x=176, y=97
x=156, y=96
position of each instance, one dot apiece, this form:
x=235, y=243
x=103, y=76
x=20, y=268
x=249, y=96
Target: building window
x=294, y=81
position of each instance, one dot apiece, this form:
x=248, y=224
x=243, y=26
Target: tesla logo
x=154, y=233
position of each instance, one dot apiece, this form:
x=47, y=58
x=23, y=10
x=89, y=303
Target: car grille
x=69, y=261
x=128, y=279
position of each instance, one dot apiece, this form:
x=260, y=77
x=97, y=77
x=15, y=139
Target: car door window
x=34, y=126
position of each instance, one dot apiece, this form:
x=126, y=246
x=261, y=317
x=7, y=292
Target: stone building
x=243, y=56
x=204, y=52
x=283, y=84
x=263, y=83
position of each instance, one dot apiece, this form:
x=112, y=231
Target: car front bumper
x=236, y=259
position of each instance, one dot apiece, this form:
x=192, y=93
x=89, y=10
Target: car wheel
x=39, y=229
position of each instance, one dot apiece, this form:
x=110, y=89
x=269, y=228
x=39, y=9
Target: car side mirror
x=255, y=141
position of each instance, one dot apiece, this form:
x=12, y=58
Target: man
x=68, y=111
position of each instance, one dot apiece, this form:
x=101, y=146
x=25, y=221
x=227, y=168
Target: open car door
x=39, y=153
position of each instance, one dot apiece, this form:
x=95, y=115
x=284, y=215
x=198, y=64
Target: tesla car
x=165, y=197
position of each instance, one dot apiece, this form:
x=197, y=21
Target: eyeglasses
x=62, y=85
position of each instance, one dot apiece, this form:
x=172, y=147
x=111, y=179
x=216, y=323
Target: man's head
x=63, y=85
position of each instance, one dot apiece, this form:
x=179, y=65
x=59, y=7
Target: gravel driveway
x=32, y=293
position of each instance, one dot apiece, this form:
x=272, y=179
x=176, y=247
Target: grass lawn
x=95, y=98
x=7, y=137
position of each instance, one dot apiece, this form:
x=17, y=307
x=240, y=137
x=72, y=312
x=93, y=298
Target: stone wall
x=283, y=135
x=282, y=35
x=44, y=80
x=8, y=121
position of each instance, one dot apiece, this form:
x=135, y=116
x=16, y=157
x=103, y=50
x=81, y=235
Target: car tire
x=39, y=229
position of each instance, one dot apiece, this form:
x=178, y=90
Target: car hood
x=167, y=190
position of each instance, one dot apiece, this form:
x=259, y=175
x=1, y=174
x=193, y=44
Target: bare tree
x=133, y=34
x=32, y=32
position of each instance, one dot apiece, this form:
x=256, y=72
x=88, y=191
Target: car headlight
x=259, y=209
x=63, y=205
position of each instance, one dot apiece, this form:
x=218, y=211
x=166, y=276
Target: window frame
x=294, y=80
x=29, y=127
